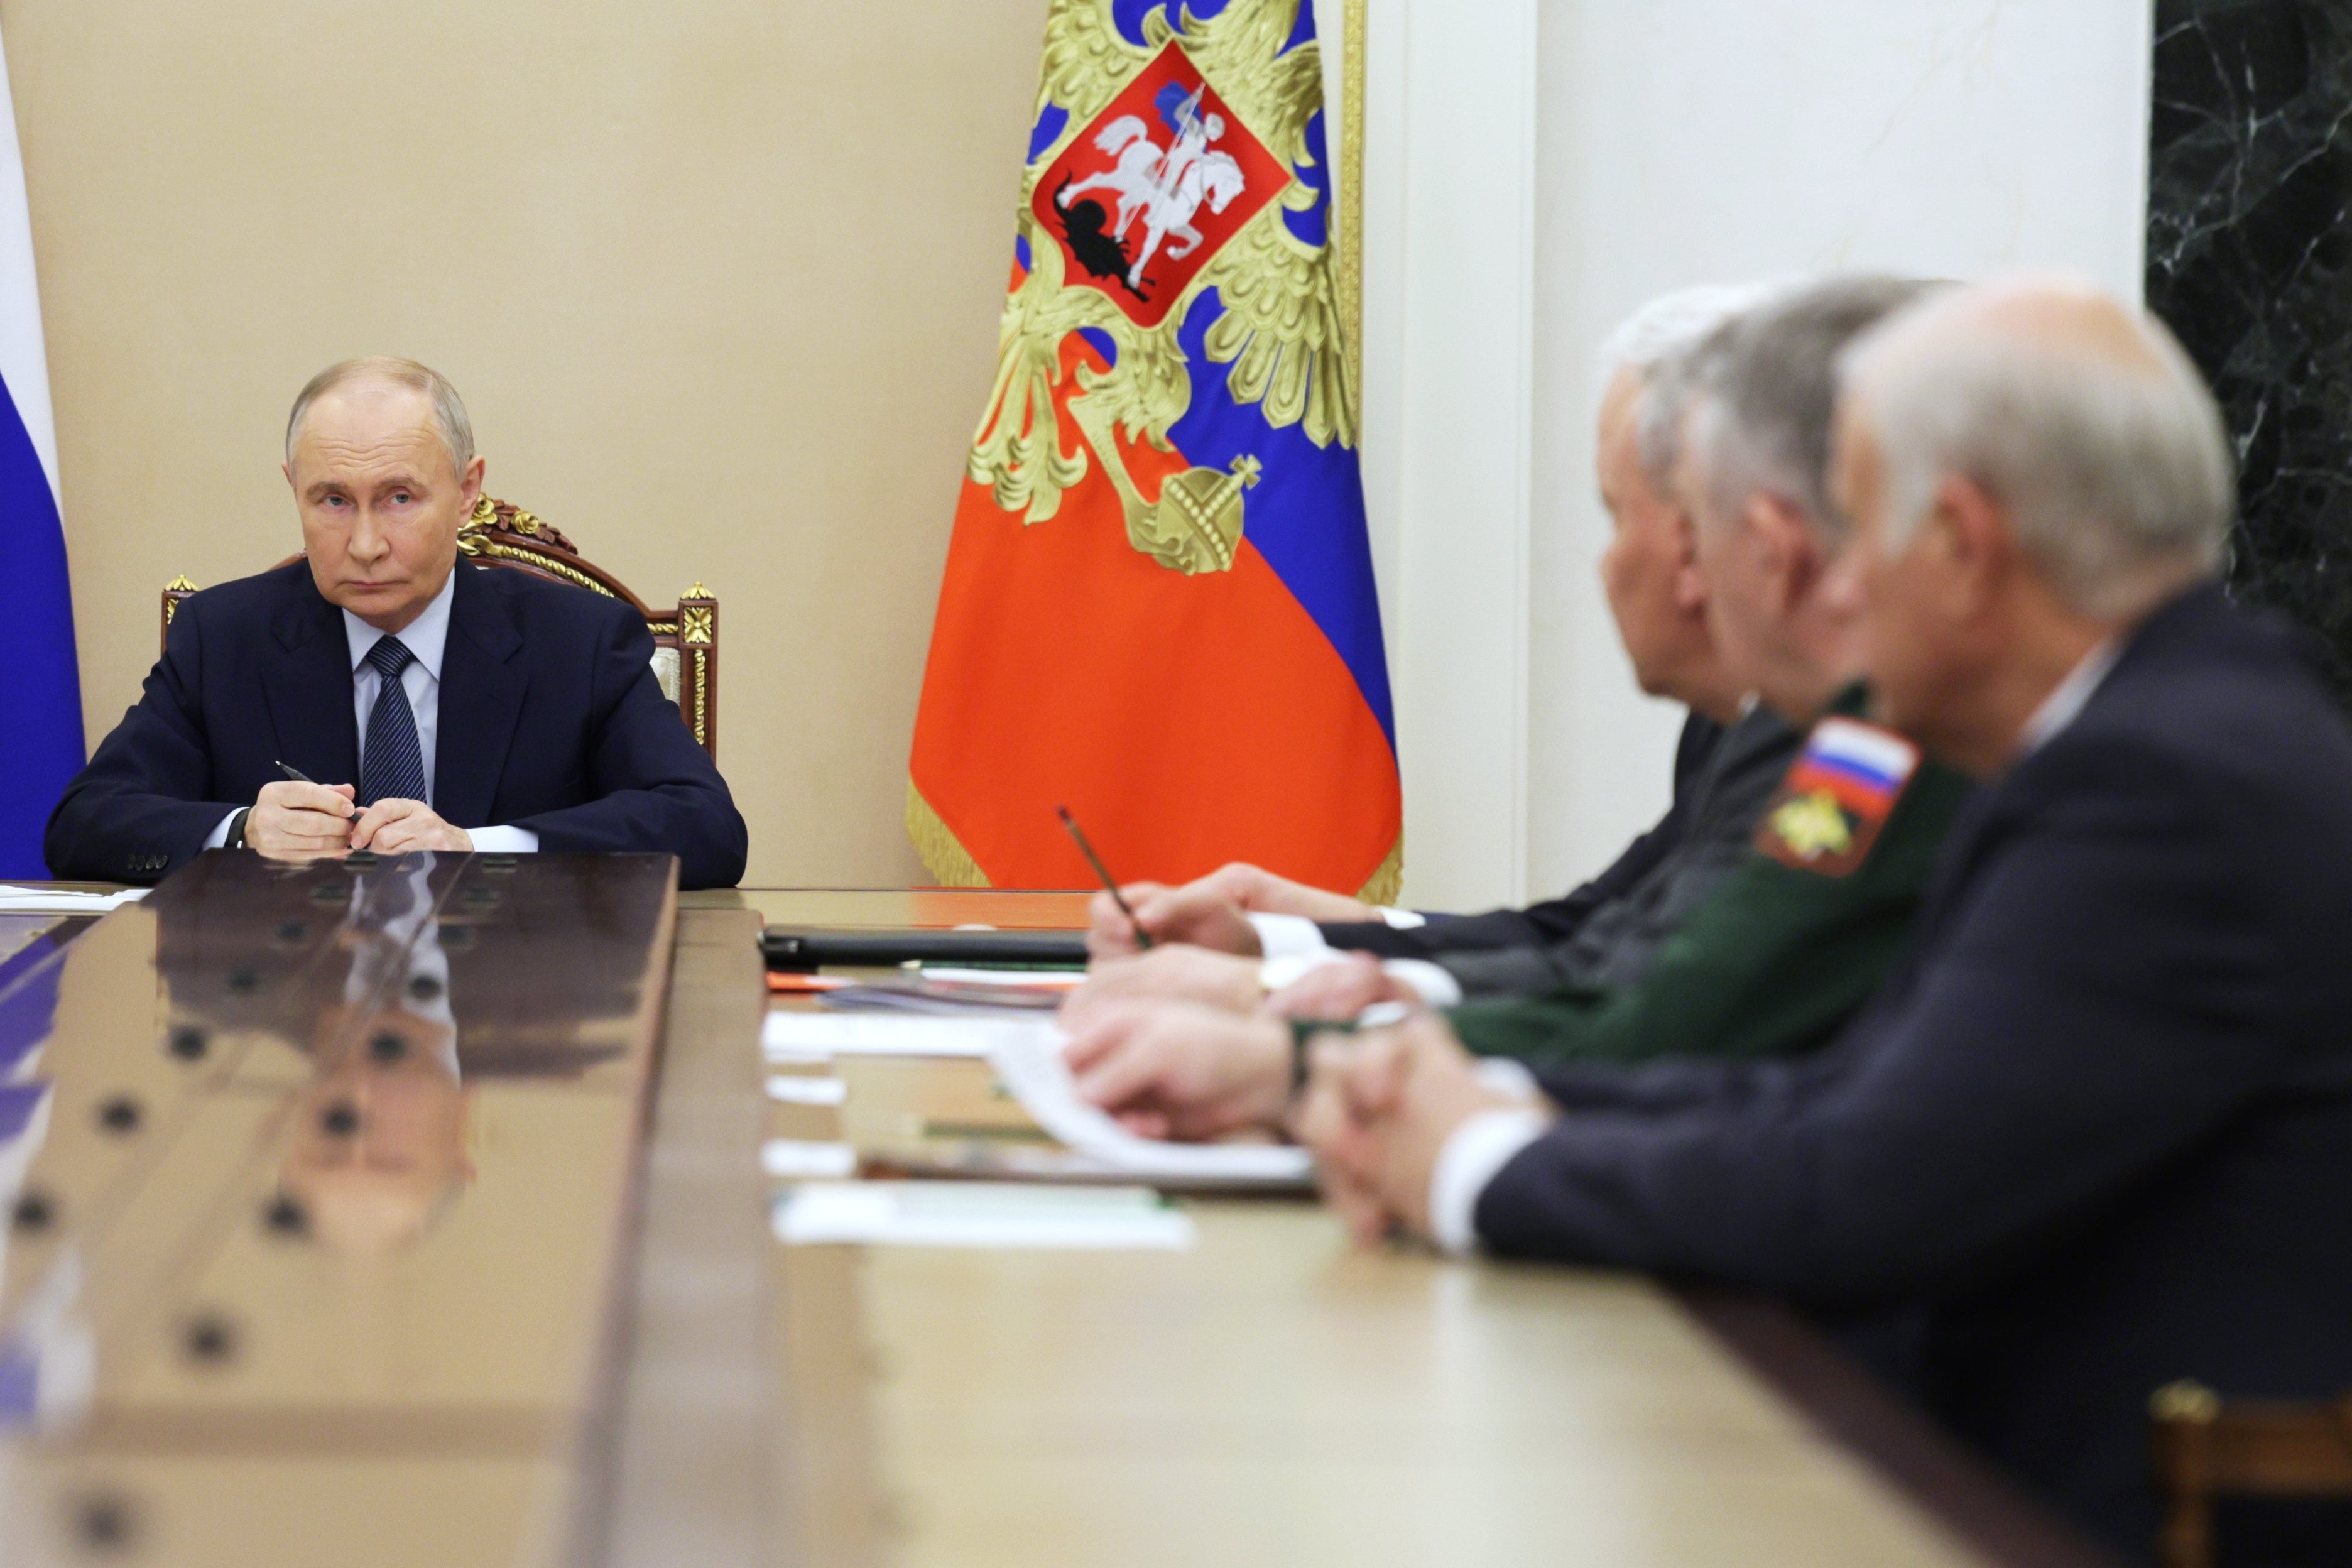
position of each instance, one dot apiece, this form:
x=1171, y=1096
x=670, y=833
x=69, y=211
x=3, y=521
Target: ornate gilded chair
x=2208, y=1449
x=685, y=639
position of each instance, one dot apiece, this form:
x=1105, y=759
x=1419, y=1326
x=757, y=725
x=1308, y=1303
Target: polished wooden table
x=1271, y=1395
x=319, y=1190
x=1274, y=1396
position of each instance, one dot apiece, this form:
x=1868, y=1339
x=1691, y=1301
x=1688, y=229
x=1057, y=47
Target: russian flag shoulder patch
x=1836, y=796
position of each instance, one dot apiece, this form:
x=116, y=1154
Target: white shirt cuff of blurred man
x=1293, y=944
x=1476, y=1152
x=1433, y=985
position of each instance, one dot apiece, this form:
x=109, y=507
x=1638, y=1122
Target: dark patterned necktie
x=394, y=768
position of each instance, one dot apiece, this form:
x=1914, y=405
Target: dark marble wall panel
x=2250, y=261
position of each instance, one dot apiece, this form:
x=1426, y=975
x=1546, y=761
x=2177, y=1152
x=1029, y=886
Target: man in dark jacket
x=425, y=703
x=2097, y=1132
x=1745, y=937
x=1730, y=755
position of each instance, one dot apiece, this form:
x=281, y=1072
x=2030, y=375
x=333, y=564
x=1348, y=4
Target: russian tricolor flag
x=40, y=697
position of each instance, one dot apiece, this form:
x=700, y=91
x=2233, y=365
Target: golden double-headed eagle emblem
x=1166, y=146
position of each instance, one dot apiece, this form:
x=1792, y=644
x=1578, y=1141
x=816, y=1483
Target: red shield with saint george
x=1153, y=186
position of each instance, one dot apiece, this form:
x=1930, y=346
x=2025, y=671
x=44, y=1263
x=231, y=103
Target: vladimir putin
x=439, y=705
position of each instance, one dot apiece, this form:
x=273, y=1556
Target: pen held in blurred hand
x=1142, y=937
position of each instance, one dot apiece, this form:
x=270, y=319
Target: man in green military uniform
x=1783, y=953
x=1815, y=914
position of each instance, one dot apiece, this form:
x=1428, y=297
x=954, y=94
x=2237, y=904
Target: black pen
x=296, y=775
x=1142, y=937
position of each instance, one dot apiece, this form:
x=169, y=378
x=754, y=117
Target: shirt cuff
x=1432, y=985
x=1281, y=974
x=1475, y=1153
x=503, y=840
x=1402, y=919
x=1506, y=1075
x=218, y=837
x=1288, y=936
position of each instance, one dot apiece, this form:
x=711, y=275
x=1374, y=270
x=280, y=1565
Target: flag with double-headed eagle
x=1159, y=606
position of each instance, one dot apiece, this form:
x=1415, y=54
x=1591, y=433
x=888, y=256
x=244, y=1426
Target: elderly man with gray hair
x=381, y=694
x=2096, y=1133
x=1188, y=1039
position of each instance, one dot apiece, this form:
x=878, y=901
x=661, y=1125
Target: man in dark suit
x=1730, y=755
x=441, y=706
x=2097, y=1134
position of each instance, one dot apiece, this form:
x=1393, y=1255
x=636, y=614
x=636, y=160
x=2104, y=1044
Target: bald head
x=2081, y=416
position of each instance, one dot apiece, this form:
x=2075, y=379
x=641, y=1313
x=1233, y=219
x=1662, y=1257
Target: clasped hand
x=1378, y=1111
x=292, y=821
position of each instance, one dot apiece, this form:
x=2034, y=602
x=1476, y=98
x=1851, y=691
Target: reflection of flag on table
x=1159, y=603
x=40, y=697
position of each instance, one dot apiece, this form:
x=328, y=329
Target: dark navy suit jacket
x=550, y=720
x=2097, y=1134
x=1555, y=920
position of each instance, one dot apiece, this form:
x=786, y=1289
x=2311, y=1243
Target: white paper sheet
x=56, y=902
x=800, y=1088
x=980, y=1213
x=1029, y=979
x=794, y=1159
x=1031, y=1065
x=820, y=1037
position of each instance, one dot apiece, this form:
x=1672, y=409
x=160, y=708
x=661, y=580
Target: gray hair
x=1653, y=343
x=450, y=420
x=1765, y=390
x=2116, y=475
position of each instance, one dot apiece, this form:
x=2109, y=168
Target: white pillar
x=1449, y=176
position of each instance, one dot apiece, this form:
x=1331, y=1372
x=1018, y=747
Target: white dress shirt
x=2066, y=699
x=427, y=637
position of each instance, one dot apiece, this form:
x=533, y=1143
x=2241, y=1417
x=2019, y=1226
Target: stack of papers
x=821, y=1036
x=979, y=1214
x=912, y=993
x=1032, y=1068
x=1026, y=1054
x=16, y=900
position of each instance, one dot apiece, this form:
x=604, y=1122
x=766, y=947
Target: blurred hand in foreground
x=1378, y=1109
x=1213, y=910
x=1178, y=1069
x=1177, y=971
x=1339, y=990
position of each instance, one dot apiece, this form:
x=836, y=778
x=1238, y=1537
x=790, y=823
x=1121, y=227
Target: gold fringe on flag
x=944, y=854
x=945, y=857
x=1386, y=881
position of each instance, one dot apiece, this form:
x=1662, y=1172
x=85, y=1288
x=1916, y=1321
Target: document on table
x=1031, y=1065
x=16, y=900
x=796, y=1160
x=796, y=1089
x=792, y=1036
x=1052, y=980
x=1026, y=1054
x=979, y=1214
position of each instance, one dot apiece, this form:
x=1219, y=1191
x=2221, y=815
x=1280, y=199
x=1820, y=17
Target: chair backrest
x=686, y=639
x=2206, y=1449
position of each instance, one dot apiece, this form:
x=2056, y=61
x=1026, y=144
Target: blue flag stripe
x=41, y=713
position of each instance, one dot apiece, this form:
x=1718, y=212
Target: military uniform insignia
x=1837, y=795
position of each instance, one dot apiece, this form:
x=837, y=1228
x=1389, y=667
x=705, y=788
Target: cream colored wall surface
x=718, y=279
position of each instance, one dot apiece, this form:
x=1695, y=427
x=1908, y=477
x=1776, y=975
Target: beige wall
x=718, y=279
